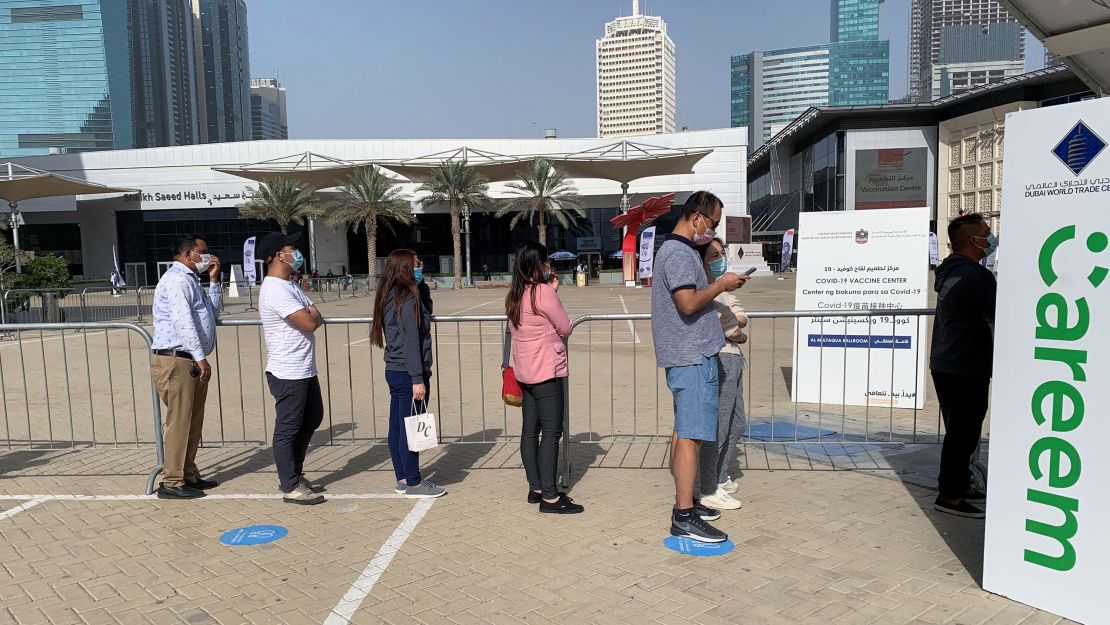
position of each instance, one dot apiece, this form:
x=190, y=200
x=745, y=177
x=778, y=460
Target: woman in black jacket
x=402, y=327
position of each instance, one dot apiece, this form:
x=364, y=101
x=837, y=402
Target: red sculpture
x=634, y=219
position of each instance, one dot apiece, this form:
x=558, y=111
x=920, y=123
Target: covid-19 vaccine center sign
x=862, y=260
x=1048, y=511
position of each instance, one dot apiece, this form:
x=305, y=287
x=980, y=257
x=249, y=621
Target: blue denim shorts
x=695, y=389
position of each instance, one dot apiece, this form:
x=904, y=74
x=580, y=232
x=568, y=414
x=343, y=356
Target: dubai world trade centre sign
x=1048, y=510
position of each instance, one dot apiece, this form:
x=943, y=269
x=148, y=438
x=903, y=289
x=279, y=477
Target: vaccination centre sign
x=1047, y=542
x=862, y=260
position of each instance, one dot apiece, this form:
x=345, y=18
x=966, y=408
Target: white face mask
x=205, y=262
x=705, y=237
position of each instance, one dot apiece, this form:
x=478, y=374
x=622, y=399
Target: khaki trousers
x=184, y=398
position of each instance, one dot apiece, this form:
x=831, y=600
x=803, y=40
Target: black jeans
x=963, y=406
x=543, y=413
x=299, y=411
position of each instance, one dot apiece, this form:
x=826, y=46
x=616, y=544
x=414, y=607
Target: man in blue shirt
x=184, y=336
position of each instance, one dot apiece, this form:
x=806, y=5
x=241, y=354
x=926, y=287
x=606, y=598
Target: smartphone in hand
x=750, y=271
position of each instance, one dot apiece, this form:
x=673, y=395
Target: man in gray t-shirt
x=688, y=336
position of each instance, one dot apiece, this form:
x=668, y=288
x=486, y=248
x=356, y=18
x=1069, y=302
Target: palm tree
x=284, y=201
x=457, y=185
x=542, y=190
x=366, y=198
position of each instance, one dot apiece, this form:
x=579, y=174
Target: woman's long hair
x=527, y=270
x=397, y=280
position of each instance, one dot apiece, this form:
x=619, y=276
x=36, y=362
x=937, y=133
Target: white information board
x=1047, y=542
x=862, y=260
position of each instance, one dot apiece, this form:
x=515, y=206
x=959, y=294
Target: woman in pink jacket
x=538, y=324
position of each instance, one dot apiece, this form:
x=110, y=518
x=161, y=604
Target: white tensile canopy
x=19, y=183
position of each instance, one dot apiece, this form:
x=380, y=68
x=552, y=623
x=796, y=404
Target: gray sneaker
x=425, y=490
x=316, y=488
x=401, y=487
x=302, y=496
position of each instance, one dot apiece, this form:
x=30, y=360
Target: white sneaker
x=721, y=501
x=729, y=486
x=301, y=495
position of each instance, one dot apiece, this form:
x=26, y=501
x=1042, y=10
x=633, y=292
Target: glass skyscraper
x=163, y=73
x=771, y=89
x=859, y=72
x=268, y=114
x=854, y=20
x=223, y=70
x=65, y=80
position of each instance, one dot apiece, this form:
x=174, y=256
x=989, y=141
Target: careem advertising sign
x=1048, y=511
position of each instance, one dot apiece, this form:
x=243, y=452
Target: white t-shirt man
x=292, y=351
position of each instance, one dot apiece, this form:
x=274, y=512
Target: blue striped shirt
x=184, y=318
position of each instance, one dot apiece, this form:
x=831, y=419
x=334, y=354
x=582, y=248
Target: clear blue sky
x=510, y=68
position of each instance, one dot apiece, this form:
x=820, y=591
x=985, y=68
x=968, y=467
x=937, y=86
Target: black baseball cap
x=272, y=243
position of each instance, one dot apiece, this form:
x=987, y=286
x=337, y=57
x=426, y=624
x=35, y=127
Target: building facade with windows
x=961, y=44
x=947, y=155
x=854, y=20
x=65, y=80
x=635, y=77
x=268, y=114
x=769, y=90
x=223, y=70
x=163, y=73
x=181, y=192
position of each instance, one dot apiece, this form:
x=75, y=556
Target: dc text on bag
x=420, y=429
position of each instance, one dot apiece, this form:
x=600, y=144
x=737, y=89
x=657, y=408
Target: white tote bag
x=420, y=429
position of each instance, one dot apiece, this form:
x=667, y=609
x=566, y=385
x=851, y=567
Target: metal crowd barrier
x=615, y=392
x=765, y=384
x=53, y=369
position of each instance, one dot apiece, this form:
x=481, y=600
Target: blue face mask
x=546, y=277
x=298, y=260
x=992, y=244
x=418, y=274
x=718, y=267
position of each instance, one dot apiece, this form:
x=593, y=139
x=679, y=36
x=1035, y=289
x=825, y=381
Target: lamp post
x=312, y=242
x=466, y=233
x=16, y=218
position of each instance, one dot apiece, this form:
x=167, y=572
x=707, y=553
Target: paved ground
x=811, y=547
x=836, y=530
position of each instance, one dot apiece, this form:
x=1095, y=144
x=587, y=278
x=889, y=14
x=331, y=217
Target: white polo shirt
x=292, y=352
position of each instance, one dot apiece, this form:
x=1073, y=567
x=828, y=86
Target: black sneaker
x=534, y=497
x=564, y=505
x=976, y=496
x=705, y=512
x=179, y=492
x=962, y=509
x=693, y=527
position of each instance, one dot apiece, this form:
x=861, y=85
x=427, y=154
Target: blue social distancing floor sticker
x=254, y=535
x=693, y=547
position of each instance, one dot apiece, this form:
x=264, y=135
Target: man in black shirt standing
x=962, y=356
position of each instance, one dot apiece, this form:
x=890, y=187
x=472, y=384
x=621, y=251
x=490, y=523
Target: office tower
x=223, y=70
x=64, y=76
x=959, y=44
x=1051, y=60
x=771, y=89
x=268, y=117
x=635, y=77
x=163, y=73
x=855, y=20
